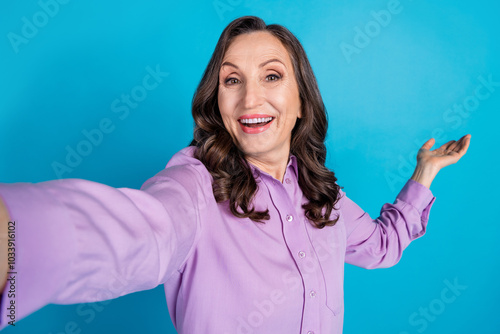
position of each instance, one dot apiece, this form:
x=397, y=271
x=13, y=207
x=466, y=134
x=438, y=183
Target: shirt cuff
x=42, y=258
x=418, y=196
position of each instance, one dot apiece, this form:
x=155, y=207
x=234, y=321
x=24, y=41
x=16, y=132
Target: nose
x=253, y=94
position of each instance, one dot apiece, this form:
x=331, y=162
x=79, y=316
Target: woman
x=246, y=228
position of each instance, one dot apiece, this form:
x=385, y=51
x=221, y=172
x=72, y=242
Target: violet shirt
x=80, y=241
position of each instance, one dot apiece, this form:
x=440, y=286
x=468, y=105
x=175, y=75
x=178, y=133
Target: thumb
x=428, y=144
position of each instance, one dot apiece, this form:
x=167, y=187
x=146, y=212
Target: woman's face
x=258, y=96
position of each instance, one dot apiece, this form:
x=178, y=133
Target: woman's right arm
x=80, y=241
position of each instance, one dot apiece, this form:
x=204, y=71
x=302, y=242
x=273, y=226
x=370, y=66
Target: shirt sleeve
x=80, y=241
x=379, y=243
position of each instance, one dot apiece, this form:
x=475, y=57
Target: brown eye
x=273, y=77
x=231, y=81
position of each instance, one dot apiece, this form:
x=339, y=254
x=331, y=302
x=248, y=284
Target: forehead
x=257, y=46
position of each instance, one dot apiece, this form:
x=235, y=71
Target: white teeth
x=255, y=120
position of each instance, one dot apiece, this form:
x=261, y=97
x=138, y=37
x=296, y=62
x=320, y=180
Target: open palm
x=449, y=153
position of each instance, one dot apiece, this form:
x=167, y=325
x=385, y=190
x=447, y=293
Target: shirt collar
x=293, y=164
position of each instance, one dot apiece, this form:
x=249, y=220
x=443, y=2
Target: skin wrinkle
x=228, y=164
x=250, y=60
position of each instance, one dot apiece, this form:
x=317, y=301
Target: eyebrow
x=226, y=63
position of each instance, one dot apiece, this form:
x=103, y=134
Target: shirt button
x=312, y=293
x=288, y=181
x=310, y=332
x=289, y=218
x=302, y=254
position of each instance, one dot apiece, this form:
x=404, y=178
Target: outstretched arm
x=4, y=220
x=429, y=163
x=80, y=241
x=376, y=243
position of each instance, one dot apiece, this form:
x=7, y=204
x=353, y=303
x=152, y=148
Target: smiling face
x=258, y=97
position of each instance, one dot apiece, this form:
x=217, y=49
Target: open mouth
x=255, y=122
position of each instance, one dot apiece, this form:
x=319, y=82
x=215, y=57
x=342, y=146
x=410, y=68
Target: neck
x=274, y=166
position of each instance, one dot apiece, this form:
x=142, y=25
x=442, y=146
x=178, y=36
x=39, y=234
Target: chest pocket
x=329, y=244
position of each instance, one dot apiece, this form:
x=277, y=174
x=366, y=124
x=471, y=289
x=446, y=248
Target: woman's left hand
x=445, y=155
x=430, y=162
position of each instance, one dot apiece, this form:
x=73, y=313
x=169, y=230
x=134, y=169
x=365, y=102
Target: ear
x=300, y=113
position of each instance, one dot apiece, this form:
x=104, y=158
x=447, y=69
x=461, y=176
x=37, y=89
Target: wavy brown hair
x=233, y=179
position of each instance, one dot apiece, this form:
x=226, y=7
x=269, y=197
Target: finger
x=454, y=145
x=445, y=146
x=465, y=146
x=458, y=145
x=428, y=144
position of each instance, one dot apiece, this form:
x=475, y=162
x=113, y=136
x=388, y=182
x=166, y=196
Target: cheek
x=226, y=120
x=226, y=102
x=226, y=113
x=288, y=110
x=222, y=103
x=286, y=100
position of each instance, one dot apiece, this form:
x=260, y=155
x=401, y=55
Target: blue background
x=384, y=101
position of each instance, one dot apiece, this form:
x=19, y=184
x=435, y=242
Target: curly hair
x=232, y=176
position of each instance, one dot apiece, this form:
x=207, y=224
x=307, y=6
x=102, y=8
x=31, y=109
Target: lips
x=255, y=123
